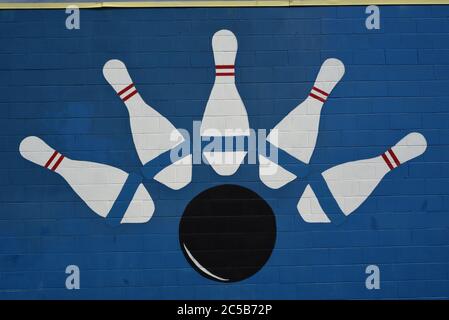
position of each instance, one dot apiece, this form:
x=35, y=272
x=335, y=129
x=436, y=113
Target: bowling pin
x=150, y=130
x=225, y=114
x=272, y=174
x=351, y=183
x=98, y=185
x=177, y=175
x=298, y=130
x=153, y=134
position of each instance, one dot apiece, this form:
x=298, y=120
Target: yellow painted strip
x=207, y=3
x=187, y=3
x=49, y=5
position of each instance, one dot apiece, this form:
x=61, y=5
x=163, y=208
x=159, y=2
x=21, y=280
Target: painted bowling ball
x=227, y=233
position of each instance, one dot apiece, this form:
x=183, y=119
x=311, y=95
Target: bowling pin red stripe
x=52, y=158
x=387, y=161
x=318, y=94
x=395, y=159
x=391, y=159
x=224, y=70
x=129, y=90
x=61, y=157
x=225, y=66
x=129, y=95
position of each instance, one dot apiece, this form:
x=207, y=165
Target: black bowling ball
x=227, y=233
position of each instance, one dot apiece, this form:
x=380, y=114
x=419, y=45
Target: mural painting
x=117, y=195
x=225, y=153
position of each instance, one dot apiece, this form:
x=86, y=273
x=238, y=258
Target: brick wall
x=396, y=82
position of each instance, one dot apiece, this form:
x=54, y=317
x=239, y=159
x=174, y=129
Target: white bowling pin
x=151, y=131
x=177, y=175
x=225, y=114
x=98, y=185
x=298, y=130
x=310, y=209
x=351, y=183
x=272, y=174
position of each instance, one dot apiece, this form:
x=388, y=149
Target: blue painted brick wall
x=396, y=81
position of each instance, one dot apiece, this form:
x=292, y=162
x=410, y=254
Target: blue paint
x=125, y=196
x=52, y=86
